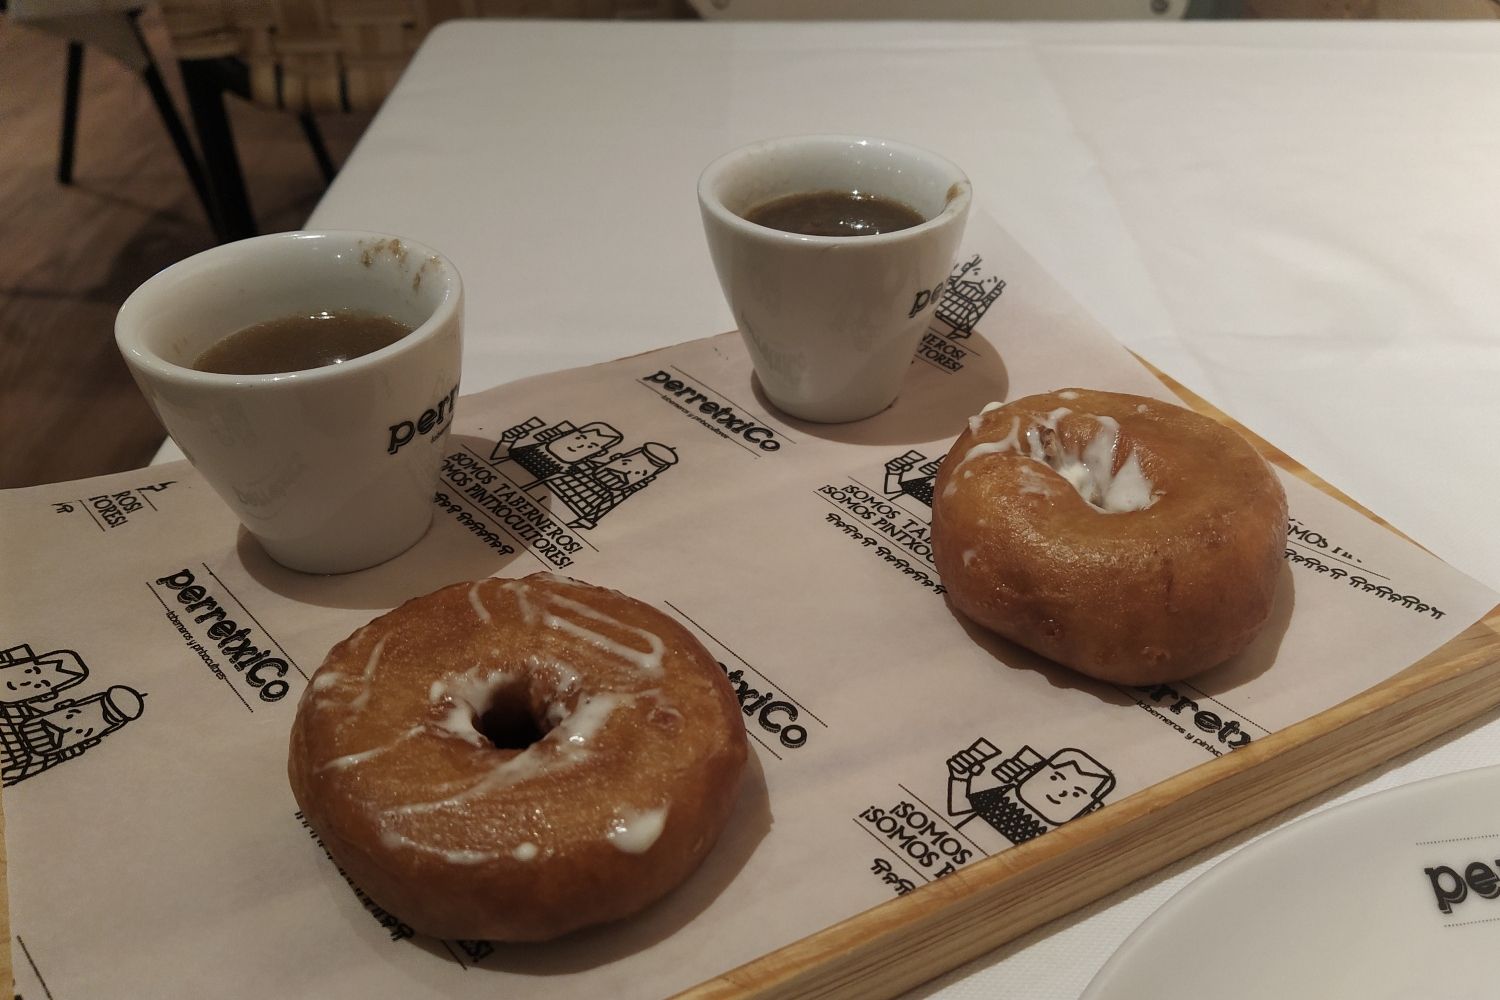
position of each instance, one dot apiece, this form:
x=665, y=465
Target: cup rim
x=961, y=192
x=131, y=343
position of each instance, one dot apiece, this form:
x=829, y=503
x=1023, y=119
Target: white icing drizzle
x=459, y=722
x=585, y=721
x=647, y=661
x=351, y=759
x=1012, y=438
x=968, y=556
x=468, y=695
x=1010, y=442
x=1091, y=474
x=478, y=605
x=359, y=701
x=474, y=687
x=523, y=600
x=325, y=680
x=564, y=745
x=634, y=831
x=977, y=419
x=524, y=851
x=1033, y=482
x=988, y=448
x=392, y=840
x=1068, y=394
x=1129, y=489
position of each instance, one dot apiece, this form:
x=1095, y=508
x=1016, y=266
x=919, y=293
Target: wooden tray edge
x=909, y=940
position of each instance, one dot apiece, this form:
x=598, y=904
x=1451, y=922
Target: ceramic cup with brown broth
x=830, y=296
x=328, y=454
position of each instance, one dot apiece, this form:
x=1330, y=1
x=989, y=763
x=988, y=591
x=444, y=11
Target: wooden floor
x=71, y=255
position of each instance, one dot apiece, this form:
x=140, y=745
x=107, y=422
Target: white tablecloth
x=1298, y=221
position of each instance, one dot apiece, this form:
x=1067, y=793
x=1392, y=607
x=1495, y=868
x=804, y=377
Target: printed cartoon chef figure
x=1024, y=795
x=32, y=741
x=556, y=449
x=27, y=676
x=581, y=466
x=592, y=489
x=37, y=730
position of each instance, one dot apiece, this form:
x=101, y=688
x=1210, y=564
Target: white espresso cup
x=832, y=322
x=332, y=469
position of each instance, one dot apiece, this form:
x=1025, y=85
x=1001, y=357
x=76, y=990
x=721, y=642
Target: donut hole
x=1103, y=465
x=508, y=721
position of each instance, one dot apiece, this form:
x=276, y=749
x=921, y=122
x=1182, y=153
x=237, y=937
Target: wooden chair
x=110, y=28
x=317, y=56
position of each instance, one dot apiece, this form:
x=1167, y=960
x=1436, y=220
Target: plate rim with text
x=1349, y=899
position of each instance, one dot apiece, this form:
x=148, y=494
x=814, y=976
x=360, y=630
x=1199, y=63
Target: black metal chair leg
x=205, y=82
x=70, y=113
x=319, y=150
x=169, y=117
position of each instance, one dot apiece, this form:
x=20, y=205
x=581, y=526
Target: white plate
x=1347, y=903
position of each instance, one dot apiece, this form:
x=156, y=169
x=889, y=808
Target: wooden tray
x=910, y=939
x=939, y=926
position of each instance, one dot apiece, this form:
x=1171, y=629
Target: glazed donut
x=1130, y=539
x=515, y=759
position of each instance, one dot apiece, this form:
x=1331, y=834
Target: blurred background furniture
x=309, y=57
x=111, y=27
x=945, y=10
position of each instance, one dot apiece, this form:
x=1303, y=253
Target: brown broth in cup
x=835, y=213
x=301, y=342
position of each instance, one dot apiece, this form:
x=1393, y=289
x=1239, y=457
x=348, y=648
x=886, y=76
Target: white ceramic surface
x=832, y=322
x=332, y=469
x=1395, y=895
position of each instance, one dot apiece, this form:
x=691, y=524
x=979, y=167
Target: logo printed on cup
x=434, y=417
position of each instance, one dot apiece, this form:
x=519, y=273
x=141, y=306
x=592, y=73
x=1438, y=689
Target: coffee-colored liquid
x=835, y=213
x=298, y=343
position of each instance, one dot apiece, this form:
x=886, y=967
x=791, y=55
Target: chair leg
x=151, y=75
x=319, y=150
x=70, y=113
x=205, y=84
